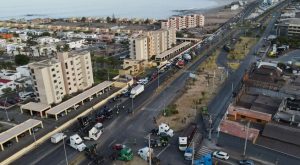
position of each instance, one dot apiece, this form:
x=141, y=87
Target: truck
x=76, y=142
x=163, y=130
x=147, y=152
x=91, y=153
x=186, y=136
x=95, y=132
x=137, y=90
x=121, y=152
x=57, y=137
x=195, y=144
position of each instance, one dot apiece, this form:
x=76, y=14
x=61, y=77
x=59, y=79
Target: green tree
x=108, y=19
x=6, y=90
x=147, y=21
x=66, y=48
x=83, y=19
x=21, y=60
x=45, y=34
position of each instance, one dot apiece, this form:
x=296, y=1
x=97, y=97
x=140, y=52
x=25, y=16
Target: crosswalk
x=202, y=151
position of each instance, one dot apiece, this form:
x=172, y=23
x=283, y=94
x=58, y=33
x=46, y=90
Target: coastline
x=162, y=15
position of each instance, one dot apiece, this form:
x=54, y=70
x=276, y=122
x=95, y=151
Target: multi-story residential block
x=48, y=81
x=151, y=43
x=289, y=27
x=184, y=22
x=139, y=47
x=77, y=71
x=66, y=74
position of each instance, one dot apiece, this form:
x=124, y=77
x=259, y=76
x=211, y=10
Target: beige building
x=149, y=44
x=184, y=22
x=48, y=81
x=139, y=47
x=77, y=71
x=67, y=74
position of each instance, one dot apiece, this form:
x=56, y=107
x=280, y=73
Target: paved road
x=127, y=127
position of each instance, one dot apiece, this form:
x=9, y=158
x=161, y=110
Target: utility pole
x=246, y=139
x=210, y=127
x=107, y=74
x=67, y=162
x=193, y=152
x=232, y=87
x=132, y=105
x=157, y=78
x=149, y=149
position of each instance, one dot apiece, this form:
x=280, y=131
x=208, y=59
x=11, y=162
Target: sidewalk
x=233, y=154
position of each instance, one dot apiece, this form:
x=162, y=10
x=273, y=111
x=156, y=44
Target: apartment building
x=151, y=43
x=184, y=22
x=289, y=27
x=48, y=81
x=139, y=47
x=66, y=74
x=77, y=71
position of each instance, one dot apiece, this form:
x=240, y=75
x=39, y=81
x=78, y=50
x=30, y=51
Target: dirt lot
x=198, y=93
x=218, y=16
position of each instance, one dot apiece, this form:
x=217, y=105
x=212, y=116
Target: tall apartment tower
x=151, y=43
x=139, y=47
x=66, y=74
x=77, y=71
x=48, y=81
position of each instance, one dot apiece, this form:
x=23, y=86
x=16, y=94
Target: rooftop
x=233, y=110
x=282, y=133
x=239, y=130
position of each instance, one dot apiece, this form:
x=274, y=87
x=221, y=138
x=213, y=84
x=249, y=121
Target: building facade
x=184, y=22
x=67, y=74
x=149, y=44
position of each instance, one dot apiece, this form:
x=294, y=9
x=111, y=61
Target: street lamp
x=246, y=139
x=6, y=109
x=66, y=156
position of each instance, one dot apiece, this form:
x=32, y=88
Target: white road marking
x=111, y=143
x=163, y=150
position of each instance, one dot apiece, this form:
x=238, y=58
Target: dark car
x=246, y=162
x=12, y=101
x=8, y=144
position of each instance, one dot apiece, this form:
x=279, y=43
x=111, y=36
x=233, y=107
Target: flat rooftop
x=18, y=129
x=282, y=133
x=76, y=99
x=233, y=110
x=238, y=130
x=172, y=50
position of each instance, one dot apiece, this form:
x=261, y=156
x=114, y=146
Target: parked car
x=221, y=155
x=246, y=162
x=8, y=144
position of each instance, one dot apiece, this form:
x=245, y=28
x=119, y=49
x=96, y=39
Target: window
x=70, y=88
x=55, y=81
x=54, y=75
x=68, y=78
x=71, y=62
x=258, y=120
x=52, y=69
x=32, y=71
x=66, y=65
x=242, y=116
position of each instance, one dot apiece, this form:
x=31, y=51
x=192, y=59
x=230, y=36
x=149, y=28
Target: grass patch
x=241, y=48
x=170, y=110
x=102, y=74
x=233, y=65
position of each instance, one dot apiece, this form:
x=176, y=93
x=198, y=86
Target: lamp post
x=246, y=139
x=66, y=156
x=6, y=109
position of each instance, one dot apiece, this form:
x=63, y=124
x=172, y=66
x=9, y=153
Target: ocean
x=158, y=9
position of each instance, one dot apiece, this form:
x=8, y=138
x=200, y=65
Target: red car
x=118, y=147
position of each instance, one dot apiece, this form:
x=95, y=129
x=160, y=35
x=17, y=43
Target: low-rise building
x=289, y=27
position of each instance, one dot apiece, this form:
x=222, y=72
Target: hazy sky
x=126, y=8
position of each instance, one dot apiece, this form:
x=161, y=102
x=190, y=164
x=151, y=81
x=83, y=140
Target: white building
x=4, y=83
x=184, y=22
x=23, y=70
x=9, y=75
x=76, y=43
x=47, y=40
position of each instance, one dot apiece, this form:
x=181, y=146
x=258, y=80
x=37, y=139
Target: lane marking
x=163, y=150
x=111, y=143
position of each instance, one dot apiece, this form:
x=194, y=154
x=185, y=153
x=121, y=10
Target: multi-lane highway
x=131, y=129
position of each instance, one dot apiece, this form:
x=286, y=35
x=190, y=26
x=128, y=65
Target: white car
x=221, y=155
